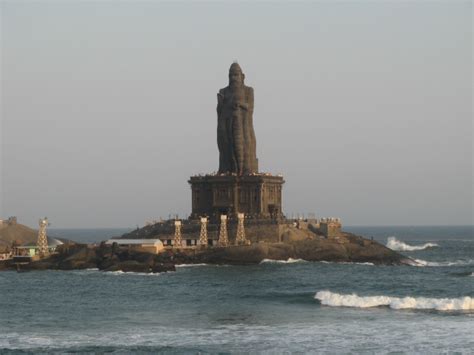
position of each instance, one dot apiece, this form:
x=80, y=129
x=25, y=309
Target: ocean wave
x=120, y=272
x=329, y=298
x=420, y=262
x=395, y=244
x=347, y=263
x=289, y=261
x=189, y=265
x=462, y=274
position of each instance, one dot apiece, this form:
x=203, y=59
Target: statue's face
x=236, y=77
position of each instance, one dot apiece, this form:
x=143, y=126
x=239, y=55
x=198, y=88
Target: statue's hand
x=239, y=105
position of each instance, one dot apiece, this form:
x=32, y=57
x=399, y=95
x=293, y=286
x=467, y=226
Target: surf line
x=395, y=244
x=328, y=298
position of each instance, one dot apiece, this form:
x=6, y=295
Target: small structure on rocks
x=330, y=227
x=31, y=250
x=223, y=238
x=203, y=234
x=240, y=237
x=42, y=243
x=177, y=243
x=10, y=221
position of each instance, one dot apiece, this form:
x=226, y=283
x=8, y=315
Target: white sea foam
x=189, y=265
x=329, y=298
x=420, y=262
x=347, y=263
x=120, y=272
x=395, y=244
x=289, y=261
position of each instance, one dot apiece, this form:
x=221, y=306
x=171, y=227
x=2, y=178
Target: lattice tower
x=223, y=239
x=203, y=234
x=177, y=234
x=240, y=237
x=42, y=242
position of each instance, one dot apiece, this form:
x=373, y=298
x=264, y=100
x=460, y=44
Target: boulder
x=163, y=267
x=130, y=266
x=81, y=258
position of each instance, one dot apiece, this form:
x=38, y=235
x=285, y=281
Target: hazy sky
x=108, y=107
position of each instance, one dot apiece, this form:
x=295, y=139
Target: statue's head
x=236, y=76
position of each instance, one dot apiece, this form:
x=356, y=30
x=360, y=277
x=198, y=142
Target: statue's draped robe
x=235, y=133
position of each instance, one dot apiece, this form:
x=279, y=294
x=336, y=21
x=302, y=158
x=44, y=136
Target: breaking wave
x=120, y=272
x=289, y=261
x=189, y=265
x=347, y=263
x=420, y=262
x=395, y=244
x=328, y=298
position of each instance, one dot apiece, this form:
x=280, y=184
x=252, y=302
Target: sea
x=290, y=306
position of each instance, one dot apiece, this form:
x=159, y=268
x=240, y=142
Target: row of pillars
x=223, y=240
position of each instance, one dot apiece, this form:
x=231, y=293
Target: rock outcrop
x=347, y=248
x=106, y=258
x=299, y=245
x=16, y=233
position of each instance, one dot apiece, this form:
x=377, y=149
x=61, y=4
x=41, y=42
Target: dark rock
x=346, y=248
x=7, y=265
x=105, y=263
x=78, y=258
x=161, y=267
x=38, y=265
x=130, y=266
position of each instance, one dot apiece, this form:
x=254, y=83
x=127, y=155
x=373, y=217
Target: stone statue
x=235, y=134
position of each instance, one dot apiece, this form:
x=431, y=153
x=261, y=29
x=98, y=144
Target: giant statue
x=237, y=188
x=235, y=133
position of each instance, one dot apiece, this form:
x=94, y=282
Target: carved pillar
x=177, y=235
x=203, y=234
x=42, y=238
x=240, y=237
x=223, y=238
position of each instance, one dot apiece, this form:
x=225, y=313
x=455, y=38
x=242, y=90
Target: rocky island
x=236, y=216
x=304, y=245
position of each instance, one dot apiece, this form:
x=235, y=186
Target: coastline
x=348, y=248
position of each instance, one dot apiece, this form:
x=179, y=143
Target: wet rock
x=130, y=266
x=163, y=267
x=83, y=258
x=38, y=265
x=6, y=265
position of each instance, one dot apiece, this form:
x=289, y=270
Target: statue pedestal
x=257, y=196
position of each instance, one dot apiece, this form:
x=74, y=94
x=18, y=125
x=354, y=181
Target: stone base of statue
x=258, y=196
